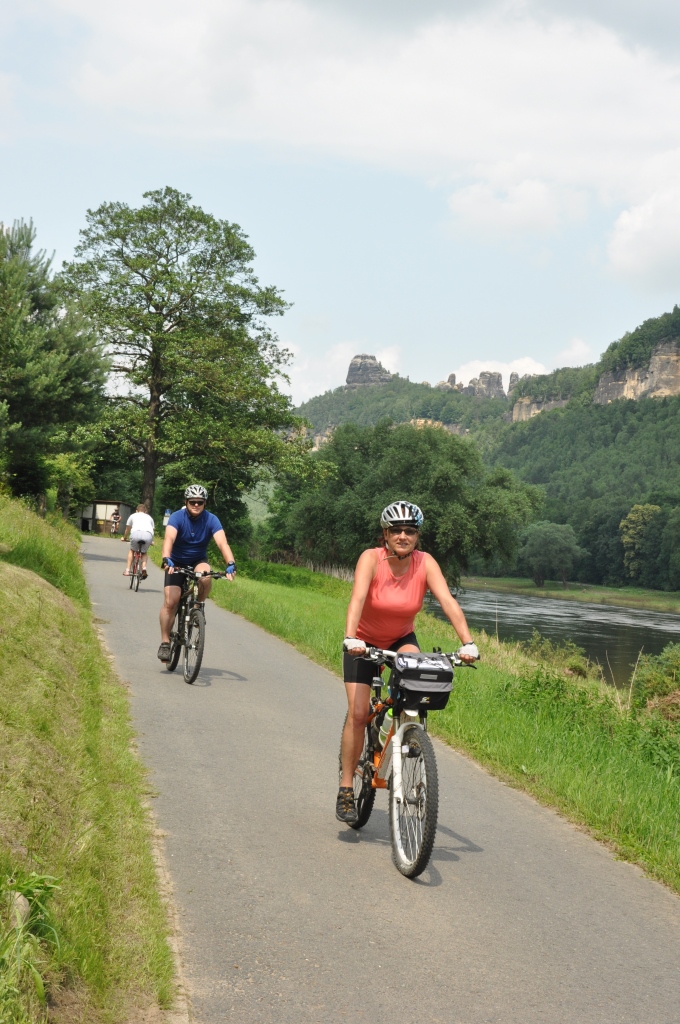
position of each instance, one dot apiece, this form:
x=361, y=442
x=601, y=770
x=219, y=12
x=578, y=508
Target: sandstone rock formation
x=365, y=370
x=488, y=385
x=525, y=408
x=447, y=385
x=514, y=381
x=658, y=380
x=450, y=428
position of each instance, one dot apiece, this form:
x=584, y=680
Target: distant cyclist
x=139, y=530
x=186, y=546
x=115, y=521
x=390, y=582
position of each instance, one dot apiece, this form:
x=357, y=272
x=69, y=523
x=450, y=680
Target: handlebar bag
x=425, y=681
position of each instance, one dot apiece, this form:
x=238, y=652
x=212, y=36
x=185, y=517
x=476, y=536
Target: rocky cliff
x=487, y=385
x=525, y=408
x=365, y=370
x=659, y=379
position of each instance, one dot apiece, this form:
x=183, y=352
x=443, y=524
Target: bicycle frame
x=389, y=759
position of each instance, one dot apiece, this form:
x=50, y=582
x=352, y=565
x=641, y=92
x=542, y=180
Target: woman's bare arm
x=363, y=576
x=439, y=588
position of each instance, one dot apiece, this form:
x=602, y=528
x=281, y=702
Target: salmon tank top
x=392, y=603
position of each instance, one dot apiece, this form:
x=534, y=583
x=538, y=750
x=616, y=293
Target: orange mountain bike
x=398, y=754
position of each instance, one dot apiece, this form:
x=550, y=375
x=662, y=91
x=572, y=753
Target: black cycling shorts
x=359, y=670
x=179, y=581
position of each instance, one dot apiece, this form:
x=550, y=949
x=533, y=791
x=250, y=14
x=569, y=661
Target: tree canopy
x=550, y=551
x=171, y=290
x=335, y=516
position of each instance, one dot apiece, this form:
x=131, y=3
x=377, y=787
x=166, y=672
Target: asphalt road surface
x=288, y=916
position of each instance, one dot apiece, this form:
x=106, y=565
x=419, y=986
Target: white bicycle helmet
x=401, y=513
x=196, y=491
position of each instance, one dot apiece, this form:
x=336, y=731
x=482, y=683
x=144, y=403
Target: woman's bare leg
x=358, y=706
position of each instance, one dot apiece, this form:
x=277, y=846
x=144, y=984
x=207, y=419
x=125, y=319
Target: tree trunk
x=150, y=453
x=538, y=579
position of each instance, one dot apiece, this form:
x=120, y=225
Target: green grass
x=73, y=799
x=569, y=742
x=626, y=597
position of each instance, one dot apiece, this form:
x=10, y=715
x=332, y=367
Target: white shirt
x=140, y=522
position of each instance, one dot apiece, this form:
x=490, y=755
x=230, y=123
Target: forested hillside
x=594, y=463
x=402, y=401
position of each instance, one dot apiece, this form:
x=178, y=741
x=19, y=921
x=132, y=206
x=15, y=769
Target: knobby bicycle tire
x=364, y=794
x=413, y=823
x=193, y=646
x=175, y=645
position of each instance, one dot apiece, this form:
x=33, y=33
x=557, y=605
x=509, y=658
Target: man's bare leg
x=168, y=612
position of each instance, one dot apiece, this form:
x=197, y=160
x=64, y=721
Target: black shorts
x=359, y=670
x=179, y=581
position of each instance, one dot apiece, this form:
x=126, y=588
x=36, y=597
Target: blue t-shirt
x=191, y=542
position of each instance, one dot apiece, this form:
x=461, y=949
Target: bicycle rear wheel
x=132, y=572
x=413, y=820
x=193, y=648
x=364, y=794
x=138, y=571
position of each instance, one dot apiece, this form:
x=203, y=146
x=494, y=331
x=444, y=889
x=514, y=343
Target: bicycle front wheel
x=175, y=645
x=193, y=648
x=364, y=794
x=413, y=819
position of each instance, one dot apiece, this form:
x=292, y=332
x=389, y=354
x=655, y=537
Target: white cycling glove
x=468, y=651
x=350, y=643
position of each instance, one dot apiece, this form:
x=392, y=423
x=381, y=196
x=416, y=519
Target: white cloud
x=390, y=358
x=312, y=374
x=527, y=119
x=576, y=353
x=645, y=243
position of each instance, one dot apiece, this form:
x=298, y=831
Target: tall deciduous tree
x=172, y=290
x=550, y=551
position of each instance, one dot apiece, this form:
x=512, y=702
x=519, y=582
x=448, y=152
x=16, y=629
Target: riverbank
x=574, y=744
x=623, y=597
x=87, y=932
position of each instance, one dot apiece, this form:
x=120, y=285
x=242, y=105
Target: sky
x=450, y=186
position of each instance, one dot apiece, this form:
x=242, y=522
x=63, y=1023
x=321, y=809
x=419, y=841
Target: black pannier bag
x=424, y=680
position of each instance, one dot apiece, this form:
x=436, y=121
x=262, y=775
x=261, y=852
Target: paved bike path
x=288, y=916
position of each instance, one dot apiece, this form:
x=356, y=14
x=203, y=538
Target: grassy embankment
x=568, y=741
x=95, y=947
x=624, y=597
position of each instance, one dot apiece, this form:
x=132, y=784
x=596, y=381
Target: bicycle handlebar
x=196, y=575
x=378, y=655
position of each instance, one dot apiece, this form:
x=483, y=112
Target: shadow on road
x=206, y=676
x=378, y=834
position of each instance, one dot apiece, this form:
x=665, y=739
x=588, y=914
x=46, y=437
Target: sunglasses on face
x=196, y=503
x=394, y=531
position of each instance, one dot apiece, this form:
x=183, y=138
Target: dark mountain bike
x=400, y=757
x=188, y=630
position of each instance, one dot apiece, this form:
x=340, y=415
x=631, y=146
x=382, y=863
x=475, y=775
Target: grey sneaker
x=345, y=807
x=164, y=652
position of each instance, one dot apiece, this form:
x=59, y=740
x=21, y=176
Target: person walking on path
x=390, y=582
x=139, y=529
x=185, y=546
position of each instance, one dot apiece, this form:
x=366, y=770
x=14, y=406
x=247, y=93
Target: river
x=609, y=635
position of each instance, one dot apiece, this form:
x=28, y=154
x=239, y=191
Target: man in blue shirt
x=186, y=544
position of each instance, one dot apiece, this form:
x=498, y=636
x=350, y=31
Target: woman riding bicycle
x=390, y=582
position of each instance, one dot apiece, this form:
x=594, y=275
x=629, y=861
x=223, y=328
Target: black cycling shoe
x=345, y=807
x=164, y=652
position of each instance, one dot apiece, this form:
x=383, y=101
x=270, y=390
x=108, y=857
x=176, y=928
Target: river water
x=609, y=635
